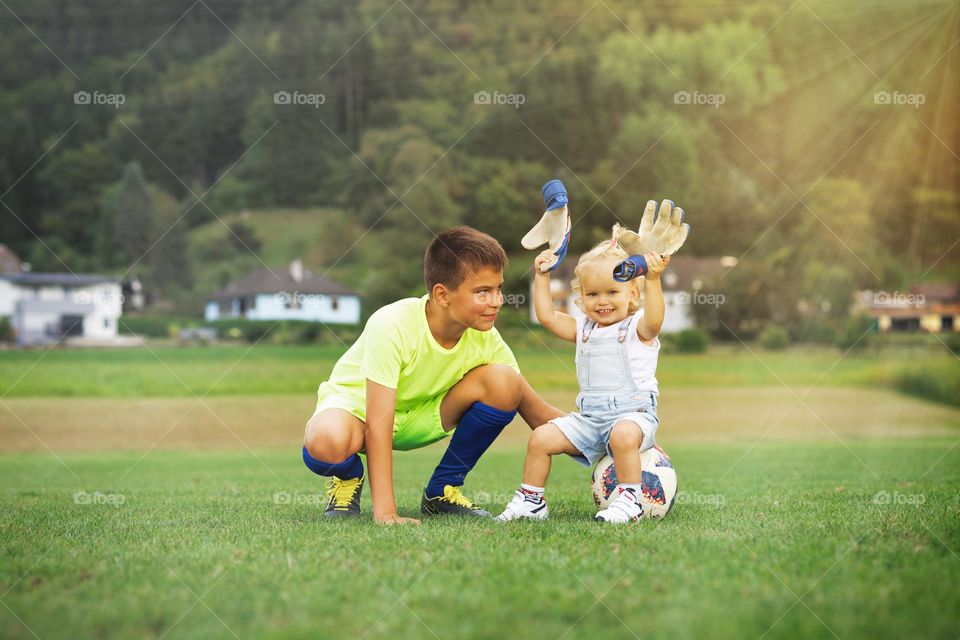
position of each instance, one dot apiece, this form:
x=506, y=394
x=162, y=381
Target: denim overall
x=608, y=393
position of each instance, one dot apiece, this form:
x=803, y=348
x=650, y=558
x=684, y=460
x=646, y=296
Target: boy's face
x=476, y=302
x=605, y=300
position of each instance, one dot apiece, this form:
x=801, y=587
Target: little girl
x=617, y=349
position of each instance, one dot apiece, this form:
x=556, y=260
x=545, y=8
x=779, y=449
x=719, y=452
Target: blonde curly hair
x=605, y=256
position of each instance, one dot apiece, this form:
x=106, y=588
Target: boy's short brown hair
x=454, y=251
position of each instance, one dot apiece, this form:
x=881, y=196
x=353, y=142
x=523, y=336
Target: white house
x=45, y=308
x=682, y=282
x=931, y=307
x=289, y=293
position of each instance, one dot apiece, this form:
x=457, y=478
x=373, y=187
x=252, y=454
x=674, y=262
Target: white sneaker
x=520, y=507
x=624, y=509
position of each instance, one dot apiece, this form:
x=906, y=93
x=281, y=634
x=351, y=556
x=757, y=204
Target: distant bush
x=856, y=333
x=952, y=341
x=774, y=338
x=152, y=326
x=6, y=331
x=688, y=341
x=815, y=331
x=247, y=330
x=287, y=331
x=941, y=384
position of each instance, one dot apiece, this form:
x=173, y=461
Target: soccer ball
x=659, y=482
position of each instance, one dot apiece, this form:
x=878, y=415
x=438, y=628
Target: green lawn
x=787, y=525
x=268, y=369
x=795, y=540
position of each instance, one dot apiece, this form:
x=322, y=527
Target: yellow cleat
x=451, y=502
x=344, y=497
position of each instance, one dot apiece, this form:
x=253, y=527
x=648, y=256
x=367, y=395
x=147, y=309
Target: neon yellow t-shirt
x=397, y=350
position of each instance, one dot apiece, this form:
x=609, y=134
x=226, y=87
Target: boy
x=421, y=368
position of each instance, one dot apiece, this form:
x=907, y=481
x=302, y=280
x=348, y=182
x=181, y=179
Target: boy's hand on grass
x=545, y=256
x=392, y=518
x=655, y=265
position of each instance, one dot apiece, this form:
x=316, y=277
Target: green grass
x=270, y=369
x=318, y=236
x=788, y=521
x=284, y=234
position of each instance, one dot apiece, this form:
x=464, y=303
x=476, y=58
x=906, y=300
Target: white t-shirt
x=642, y=357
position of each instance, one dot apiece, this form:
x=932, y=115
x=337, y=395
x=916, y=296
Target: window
x=106, y=323
x=334, y=303
x=905, y=324
x=246, y=305
x=946, y=323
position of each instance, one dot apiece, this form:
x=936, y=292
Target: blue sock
x=476, y=431
x=350, y=468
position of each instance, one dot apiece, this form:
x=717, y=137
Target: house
x=289, y=293
x=931, y=307
x=682, y=283
x=45, y=308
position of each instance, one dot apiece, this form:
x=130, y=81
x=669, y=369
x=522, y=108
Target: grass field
x=792, y=541
x=812, y=504
x=162, y=371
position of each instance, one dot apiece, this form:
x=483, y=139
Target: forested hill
x=761, y=118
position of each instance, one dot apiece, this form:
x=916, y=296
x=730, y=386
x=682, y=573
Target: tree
x=169, y=267
x=129, y=218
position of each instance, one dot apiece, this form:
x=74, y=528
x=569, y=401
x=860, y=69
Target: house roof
x=9, y=261
x=30, y=278
x=938, y=291
x=690, y=273
x=281, y=280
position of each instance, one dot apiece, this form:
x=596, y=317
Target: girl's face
x=605, y=300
